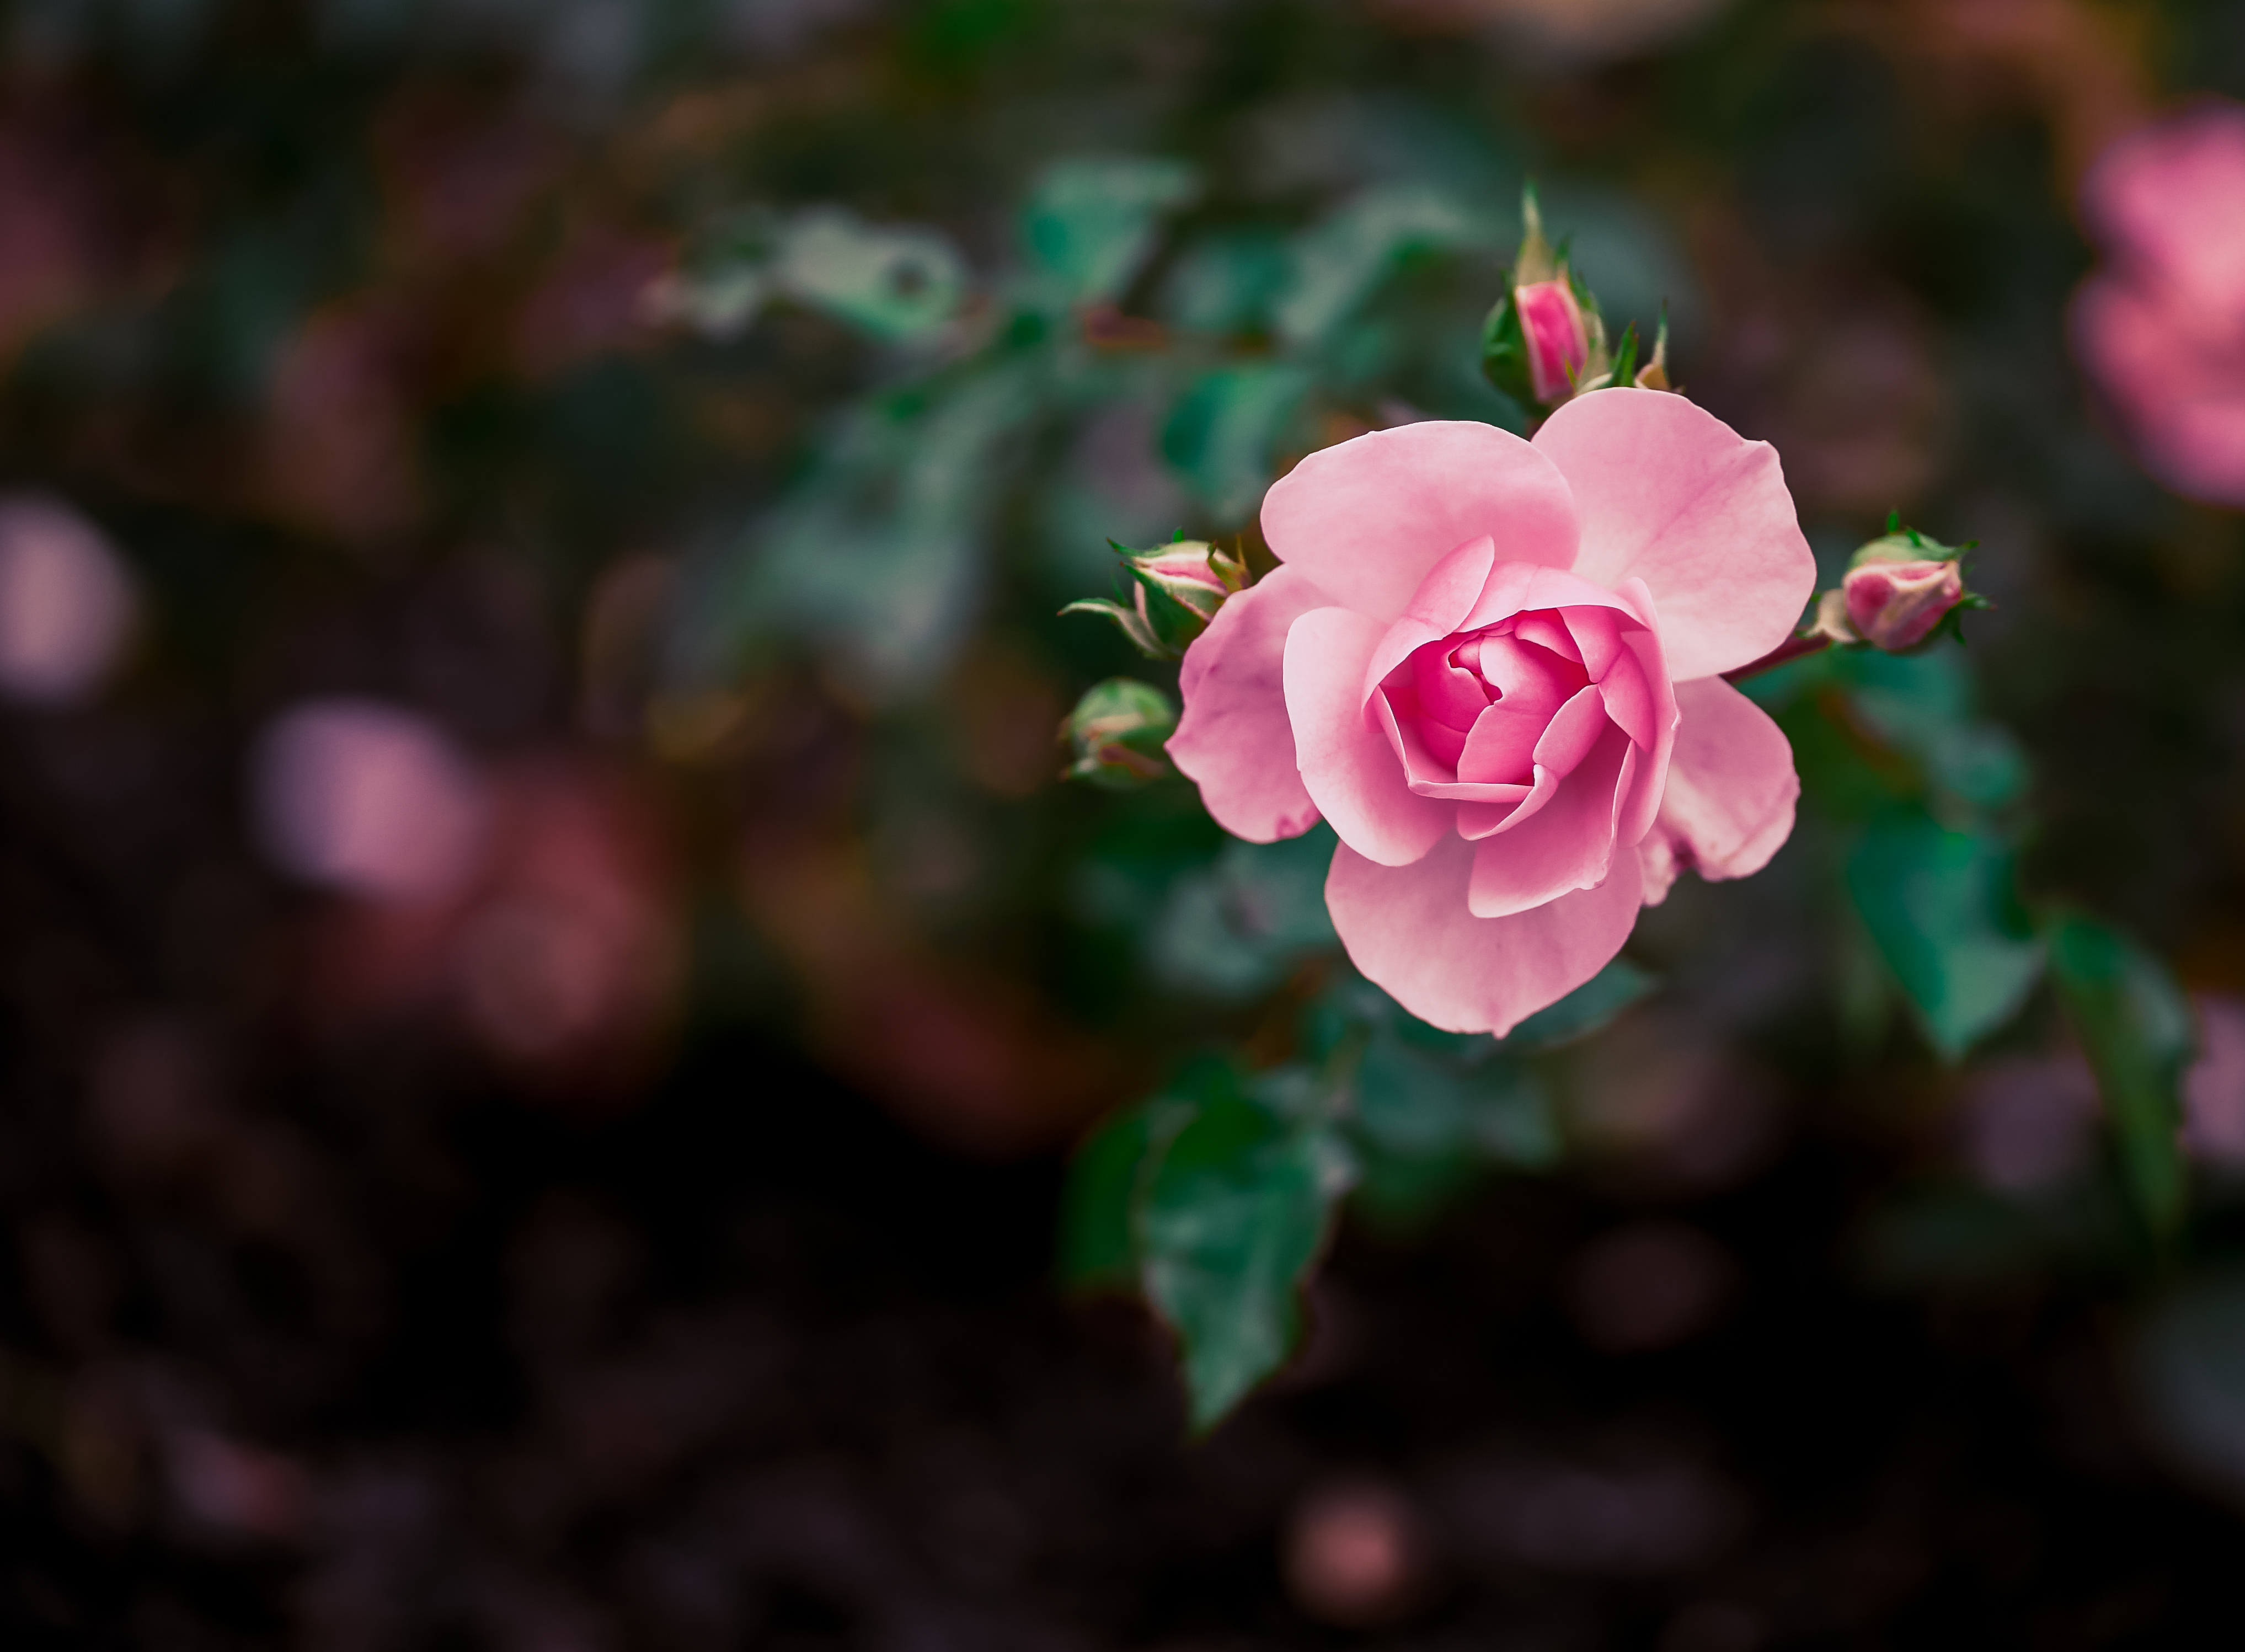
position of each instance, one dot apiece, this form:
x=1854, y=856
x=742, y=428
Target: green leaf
x=1921, y=706
x=1338, y=262
x=878, y=558
x=1090, y=223
x=1098, y=1245
x=2136, y=1027
x=1586, y=1009
x=1235, y=1210
x=894, y=283
x=1940, y=907
x=1504, y=350
x=1427, y=1126
x=1223, y=435
x=1234, y=929
x=1226, y=282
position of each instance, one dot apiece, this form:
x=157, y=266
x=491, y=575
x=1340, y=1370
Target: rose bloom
x=2161, y=329
x=1493, y=666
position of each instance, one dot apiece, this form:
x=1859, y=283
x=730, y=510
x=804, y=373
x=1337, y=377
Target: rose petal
x=1424, y=771
x=1347, y=766
x=1728, y=804
x=1410, y=930
x=1560, y=748
x=1437, y=609
x=1234, y=740
x=1568, y=845
x=1368, y=519
x=1518, y=588
x=1647, y=781
x=1670, y=494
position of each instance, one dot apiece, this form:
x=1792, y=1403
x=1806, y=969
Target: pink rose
x=1493, y=665
x=2161, y=329
x=1558, y=339
x=1897, y=605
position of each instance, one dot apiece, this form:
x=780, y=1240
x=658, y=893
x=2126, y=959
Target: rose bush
x=1493, y=666
x=2161, y=329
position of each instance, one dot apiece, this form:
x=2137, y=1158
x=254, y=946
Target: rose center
x=1477, y=702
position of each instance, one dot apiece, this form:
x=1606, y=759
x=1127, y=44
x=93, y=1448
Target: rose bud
x=1895, y=605
x=1116, y=731
x=1558, y=340
x=1176, y=590
x=1544, y=341
x=1900, y=586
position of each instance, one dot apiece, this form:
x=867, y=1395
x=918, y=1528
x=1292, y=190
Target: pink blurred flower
x=2214, y=1089
x=1494, y=666
x=1897, y=605
x=369, y=800
x=65, y=604
x=2161, y=329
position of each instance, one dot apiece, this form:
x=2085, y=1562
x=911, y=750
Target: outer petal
x=1408, y=930
x=1369, y=519
x=1670, y=494
x=1730, y=785
x=1347, y=766
x=1234, y=740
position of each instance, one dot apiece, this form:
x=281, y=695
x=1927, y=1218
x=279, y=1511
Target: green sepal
x=1128, y=621
x=1504, y=349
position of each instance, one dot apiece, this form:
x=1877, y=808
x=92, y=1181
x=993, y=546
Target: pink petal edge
x=1368, y=519
x=1234, y=740
x=1348, y=769
x=1729, y=802
x=1668, y=493
x=1408, y=930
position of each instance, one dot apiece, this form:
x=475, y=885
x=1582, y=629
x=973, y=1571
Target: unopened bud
x=1895, y=605
x=1544, y=341
x=1898, y=590
x=1175, y=589
x=1116, y=731
x=1557, y=339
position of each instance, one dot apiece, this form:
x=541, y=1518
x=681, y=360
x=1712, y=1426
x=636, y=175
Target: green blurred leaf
x=1098, y=1242
x=1235, y=1211
x=878, y=557
x=1340, y=260
x=894, y=283
x=1921, y=706
x=1223, y=436
x=1586, y=1009
x=2136, y=1027
x=1234, y=929
x=1940, y=907
x=1427, y=1125
x=1226, y=282
x=1090, y=223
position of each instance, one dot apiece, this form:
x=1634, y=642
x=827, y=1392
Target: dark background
x=681, y=1275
